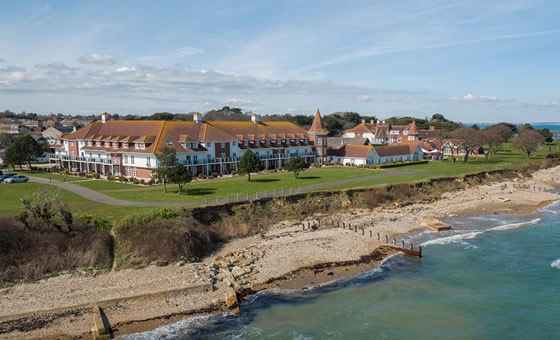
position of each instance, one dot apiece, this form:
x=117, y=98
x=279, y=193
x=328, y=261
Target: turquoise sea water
x=492, y=277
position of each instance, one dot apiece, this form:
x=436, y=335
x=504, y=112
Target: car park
x=5, y=176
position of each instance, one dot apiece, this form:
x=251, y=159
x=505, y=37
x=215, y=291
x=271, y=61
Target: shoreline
x=286, y=257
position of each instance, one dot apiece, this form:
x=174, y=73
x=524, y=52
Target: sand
x=287, y=256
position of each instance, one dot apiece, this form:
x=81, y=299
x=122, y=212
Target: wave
x=458, y=238
x=555, y=264
x=515, y=225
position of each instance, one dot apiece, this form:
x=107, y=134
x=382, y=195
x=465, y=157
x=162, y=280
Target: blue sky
x=473, y=61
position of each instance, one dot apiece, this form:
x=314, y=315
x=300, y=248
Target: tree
x=470, y=139
x=528, y=141
x=548, y=136
x=248, y=163
x=476, y=127
x=166, y=160
x=495, y=136
x=295, y=165
x=23, y=149
x=527, y=126
x=180, y=175
x=438, y=117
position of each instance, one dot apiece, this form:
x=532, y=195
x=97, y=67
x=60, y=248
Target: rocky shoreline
x=287, y=256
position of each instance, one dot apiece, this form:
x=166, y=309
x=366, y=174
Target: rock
x=162, y=264
x=237, y=271
x=231, y=301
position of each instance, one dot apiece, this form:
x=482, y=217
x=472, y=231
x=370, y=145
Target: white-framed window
x=125, y=145
x=233, y=143
x=194, y=145
x=142, y=145
x=98, y=155
x=128, y=172
x=115, y=144
x=188, y=145
x=223, y=145
x=90, y=143
x=224, y=154
x=195, y=158
x=126, y=158
x=209, y=144
x=319, y=141
x=131, y=159
x=98, y=143
x=135, y=172
x=148, y=162
x=246, y=142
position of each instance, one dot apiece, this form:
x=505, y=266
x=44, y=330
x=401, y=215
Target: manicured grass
x=199, y=191
x=12, y=194
x=51, y=175
x=379, y=181
x=506, y=158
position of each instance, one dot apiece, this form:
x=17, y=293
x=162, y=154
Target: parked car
x=4, y=176
x=16, y=179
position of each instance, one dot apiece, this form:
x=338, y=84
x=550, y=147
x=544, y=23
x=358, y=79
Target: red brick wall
x=218, y=148
x=143, y=173
x=73, y=148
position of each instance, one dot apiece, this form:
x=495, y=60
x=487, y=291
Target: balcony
x=81, y=159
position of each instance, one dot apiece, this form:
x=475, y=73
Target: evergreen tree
x=295, y=165
x=166, y=159
x=180, y=175
x=248, y=163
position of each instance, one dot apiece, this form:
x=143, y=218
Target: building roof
x=317, y=125
x=395, y=150
x=413, y=130
x=336, y=142
x=351, y=151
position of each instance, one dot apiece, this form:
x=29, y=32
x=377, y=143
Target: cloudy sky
x=473, y=61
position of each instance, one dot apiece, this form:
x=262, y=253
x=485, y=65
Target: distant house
x=50, y=135
x=374, y=154
x=336, y=142
x=380, y=133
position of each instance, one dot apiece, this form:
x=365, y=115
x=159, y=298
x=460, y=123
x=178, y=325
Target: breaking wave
x=555, y=264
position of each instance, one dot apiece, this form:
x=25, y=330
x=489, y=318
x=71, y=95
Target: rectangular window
x=148, y=162
x=195, y=158
x=135, y=172
x=208, y=156
x=125, y=145
x=126, y=158
x=131, y=159
x=128, y=171
x=98, y=155
x=223, y=145
x=246, y=142
x=319, y=140
x=209, y=144
x=223, y=155
x=233, y=143
x=188, y=144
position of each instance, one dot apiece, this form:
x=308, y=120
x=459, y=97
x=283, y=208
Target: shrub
x=142, y=181
x=135, y=181
x=553, y=155
x=150, y=182
x=123, y=179
x=96, y=175
x=214, y=174
x=394, y=165
x=82, y=174
x=233, y=172
x=31, y=254
x=110, y=178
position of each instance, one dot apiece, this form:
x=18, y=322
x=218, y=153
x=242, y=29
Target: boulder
x=231, y=301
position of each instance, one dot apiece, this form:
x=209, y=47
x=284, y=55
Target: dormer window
x=267, y=142
x=305, y=140
x=188, y=145
x=141, y=146
x=194, y=145
x=125, y=145
x=115, y=144
x=246, y=142
x=278, y=141
x=90, y=143
x=98, y=143
x=283, y=141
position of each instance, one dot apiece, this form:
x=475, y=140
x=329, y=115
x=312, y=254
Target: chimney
x=372, y=121
x=255, y=118
x=104, y=117
x=197, y=117
x=363, y=121
x=74, y=128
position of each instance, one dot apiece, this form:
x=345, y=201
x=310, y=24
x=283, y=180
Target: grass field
x=222, y=187
x=11, y=195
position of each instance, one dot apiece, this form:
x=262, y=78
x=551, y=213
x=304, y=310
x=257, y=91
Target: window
x=246, y=142
x=126, y=158
x=125, y=145
x=209, y=144
x=208, y=156
x=98, y=155
x=233, y=143
x=98, y=143
x=319, y=141
x=305, y=140
x=268, y=142
x=188, y=145
x=131, y=159
x=194, y=145
x=234, y=155
x=223, y=145
x=143, y=146
x=135, y=172
x=195, y=158
x=223, y=155
x=65, y=142
x=115, y=145
x=148, y=162
x=128, y=171
x=72, y=143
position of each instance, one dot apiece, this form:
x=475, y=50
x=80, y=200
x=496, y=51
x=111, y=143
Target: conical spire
x=413, y=130
x=317, y=125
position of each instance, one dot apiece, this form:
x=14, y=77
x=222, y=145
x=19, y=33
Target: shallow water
x=492, y=277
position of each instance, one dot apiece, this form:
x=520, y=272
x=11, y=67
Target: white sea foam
x=515, y=225
x=453, y=238
x=555, y=264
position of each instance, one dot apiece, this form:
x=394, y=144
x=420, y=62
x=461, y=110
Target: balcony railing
x=81, y=159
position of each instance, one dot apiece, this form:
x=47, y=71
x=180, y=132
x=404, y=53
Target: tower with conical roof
x=413, y=131
x=318, y=135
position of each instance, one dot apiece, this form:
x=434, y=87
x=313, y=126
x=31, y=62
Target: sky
x=473, y=61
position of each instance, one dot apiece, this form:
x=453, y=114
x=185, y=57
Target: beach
x=289, y=255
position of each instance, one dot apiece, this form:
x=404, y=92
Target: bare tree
x=495, y=136
x=470, y=139
x=528, y=141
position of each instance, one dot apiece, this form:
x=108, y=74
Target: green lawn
x=380, y=181
x=51, y=175
x=222, y=187
x=12, y=194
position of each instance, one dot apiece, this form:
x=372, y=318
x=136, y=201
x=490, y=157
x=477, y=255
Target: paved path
x=100, y=197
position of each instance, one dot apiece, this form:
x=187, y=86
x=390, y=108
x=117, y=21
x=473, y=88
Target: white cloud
x=477, y=99
x=365, y=98
x=126, y=69
x=97, y=59
x=189, y=50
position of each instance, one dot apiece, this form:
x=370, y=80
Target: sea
x=552, y=126
x=491, y=277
